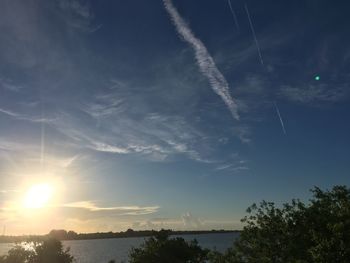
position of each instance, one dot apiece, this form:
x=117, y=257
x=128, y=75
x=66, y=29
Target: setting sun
x=38, y=196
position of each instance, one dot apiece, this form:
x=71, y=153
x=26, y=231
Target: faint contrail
x=233, y=15
x=204, y=60
x=280, y=117
x=254, y=35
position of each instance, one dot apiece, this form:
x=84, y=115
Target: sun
x=38, y=196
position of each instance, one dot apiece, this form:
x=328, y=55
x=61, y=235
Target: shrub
x=318, y=232
x=48, y=251
x=161, y=248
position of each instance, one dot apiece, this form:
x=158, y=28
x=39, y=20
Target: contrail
x=233, y=15
x=280, y=117
x=254, y=35
x=205, y=62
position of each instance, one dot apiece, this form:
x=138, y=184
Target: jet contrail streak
x=233, y=15
x=280, y=117
x=254, y=35
x=205, y=62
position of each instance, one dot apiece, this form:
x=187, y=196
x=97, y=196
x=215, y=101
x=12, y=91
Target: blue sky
x=151, y=114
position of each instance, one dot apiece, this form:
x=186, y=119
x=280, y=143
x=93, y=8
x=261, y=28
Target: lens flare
x=38, y=196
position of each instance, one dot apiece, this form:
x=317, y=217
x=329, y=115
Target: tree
x=49, y=251
x=60, y=234
x=18, y=254
x=71, y=235
x=318, y=232
x=161, y=248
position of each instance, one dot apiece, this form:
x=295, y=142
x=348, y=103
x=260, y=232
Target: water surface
x=103, y=250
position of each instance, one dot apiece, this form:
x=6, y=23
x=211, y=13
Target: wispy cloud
x=314, y=93
x=111, y=114
x=205, y=61
x=106, y=106
x=20, y=116
x=78, y=15
x=154, y=136
x=233, y=163
x=77, y=7
x=122, y=210
x=9, y=85
x=191, y=221
x=10, y=113
x=104, y=147
x=243, y=132
x=11, y=212
x=232, y=167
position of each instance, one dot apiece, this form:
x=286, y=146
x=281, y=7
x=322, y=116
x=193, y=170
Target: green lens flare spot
x=317, y=77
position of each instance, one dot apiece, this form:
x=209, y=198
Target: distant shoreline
x=63, y=235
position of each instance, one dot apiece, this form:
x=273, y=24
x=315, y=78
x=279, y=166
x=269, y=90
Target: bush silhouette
x=49, y=251
x=162, y=248
x=318, y=232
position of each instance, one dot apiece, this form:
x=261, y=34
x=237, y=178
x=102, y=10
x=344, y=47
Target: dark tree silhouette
x=162, y=248
x=49, y=251
x=60, y=234
x=317, y=232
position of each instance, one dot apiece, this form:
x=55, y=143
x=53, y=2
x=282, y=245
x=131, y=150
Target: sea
x=104, y=250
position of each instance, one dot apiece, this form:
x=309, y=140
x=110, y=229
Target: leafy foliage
x=161, y=248
x=49, y=251
x=296, y=233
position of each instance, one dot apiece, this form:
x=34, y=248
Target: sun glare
x=38, y=196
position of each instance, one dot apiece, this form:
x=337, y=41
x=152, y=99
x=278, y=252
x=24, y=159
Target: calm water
x=103, y=250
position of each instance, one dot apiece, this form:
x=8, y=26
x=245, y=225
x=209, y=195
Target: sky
x=168, y=113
